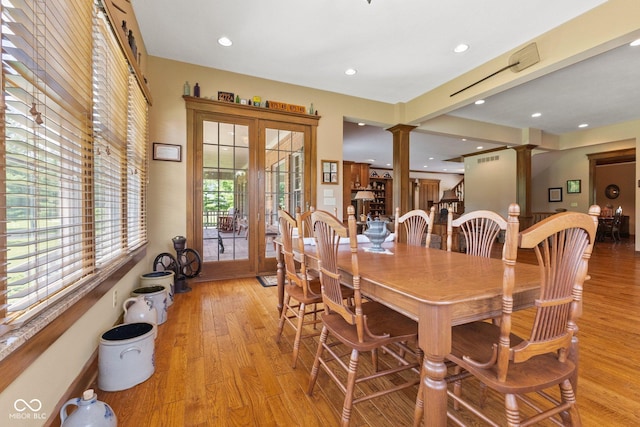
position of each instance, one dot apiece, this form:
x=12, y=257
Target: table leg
x=280, y=275
x=434, y=334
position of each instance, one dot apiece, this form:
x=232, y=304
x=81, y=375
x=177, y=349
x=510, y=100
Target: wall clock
x=612, y=191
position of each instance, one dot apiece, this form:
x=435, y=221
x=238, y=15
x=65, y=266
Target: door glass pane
x=224, y=190
x=284, y=178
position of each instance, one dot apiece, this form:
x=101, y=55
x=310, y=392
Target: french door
x=242, y=169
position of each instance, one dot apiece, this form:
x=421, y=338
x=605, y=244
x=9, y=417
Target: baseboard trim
x=83, y=381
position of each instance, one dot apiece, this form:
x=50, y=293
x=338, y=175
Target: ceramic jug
x=90, y=412
x=157, y=296
x=138, y=309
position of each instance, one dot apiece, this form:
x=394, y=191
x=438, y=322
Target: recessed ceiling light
x=635, y=43
x=479, y=147
x=225, y=41
x=430, y=158
x=536, y=114
x=425, y=166
x=350, y=71
x=461, y=48
x=464, y=139
x=479, y=102
x=388, y=164
x=371, y=160
x=583, y=125
x=360, y=124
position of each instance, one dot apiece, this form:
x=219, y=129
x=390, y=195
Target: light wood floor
x=217, y=362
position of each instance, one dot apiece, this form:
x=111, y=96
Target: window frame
x=24, y=344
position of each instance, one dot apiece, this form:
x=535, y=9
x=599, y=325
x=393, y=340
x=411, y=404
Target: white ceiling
x=401, y=49
x=599, y=91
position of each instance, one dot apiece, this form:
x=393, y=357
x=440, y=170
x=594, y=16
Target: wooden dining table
x=438, y=289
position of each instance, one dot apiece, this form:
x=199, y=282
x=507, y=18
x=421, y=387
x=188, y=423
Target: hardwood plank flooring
x=217, y=362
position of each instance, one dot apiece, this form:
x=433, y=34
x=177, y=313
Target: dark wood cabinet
x=382, y=205
x=356, y=178
x=429, y=193
x=624, y=226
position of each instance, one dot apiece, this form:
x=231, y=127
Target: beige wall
x=553, y=169
x=168, y=125
x=489, y=181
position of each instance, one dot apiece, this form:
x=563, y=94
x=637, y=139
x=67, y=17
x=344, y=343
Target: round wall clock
x=612, y=191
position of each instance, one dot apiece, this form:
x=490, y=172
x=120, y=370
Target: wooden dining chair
x=304, y=222
x=610, y=227
x=416, y=223
x=480, y=230
x=361, y=327
x=524, y=368
x=300, y=290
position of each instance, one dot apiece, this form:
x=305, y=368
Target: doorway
x=614, y=169
x=244, y=164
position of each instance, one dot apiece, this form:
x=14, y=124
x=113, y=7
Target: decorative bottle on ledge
x=196, y=91
x=186, y=90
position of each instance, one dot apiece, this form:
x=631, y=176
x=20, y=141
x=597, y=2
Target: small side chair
x=416, y=223
x=480, y=230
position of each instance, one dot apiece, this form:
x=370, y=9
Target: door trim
x=255, y=118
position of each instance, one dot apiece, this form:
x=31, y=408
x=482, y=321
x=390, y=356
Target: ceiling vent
x=488, y=159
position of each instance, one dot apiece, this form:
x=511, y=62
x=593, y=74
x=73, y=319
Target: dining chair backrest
x=305, y=228
x=416, y=222
x=328, y=231
x=562, y=245
x=479, y=228
x=298, y=277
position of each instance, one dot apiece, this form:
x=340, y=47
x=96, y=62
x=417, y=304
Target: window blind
x=137, y=132
x=75, y=133
x=46, y=56
x=111, y=87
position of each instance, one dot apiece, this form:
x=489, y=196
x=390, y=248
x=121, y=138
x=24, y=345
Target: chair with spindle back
x=361, y=326
x=301, y=291
x=521, y=366
x=415, y=223
x=480, y=230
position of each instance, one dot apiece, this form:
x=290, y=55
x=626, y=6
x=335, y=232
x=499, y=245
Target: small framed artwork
x=168, y=152
x=330, y=172
x=573, y=186
x=555, y=194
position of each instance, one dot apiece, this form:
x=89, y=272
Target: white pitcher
x=138, y=309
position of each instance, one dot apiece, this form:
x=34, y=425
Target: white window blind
x=137, y=166
x=46, y=56
x=75, y=132
x=111, y=87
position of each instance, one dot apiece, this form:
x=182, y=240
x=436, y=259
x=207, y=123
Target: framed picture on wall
x=555, y=194
x=168, y=152
x=330, y=172
x=573, y=186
